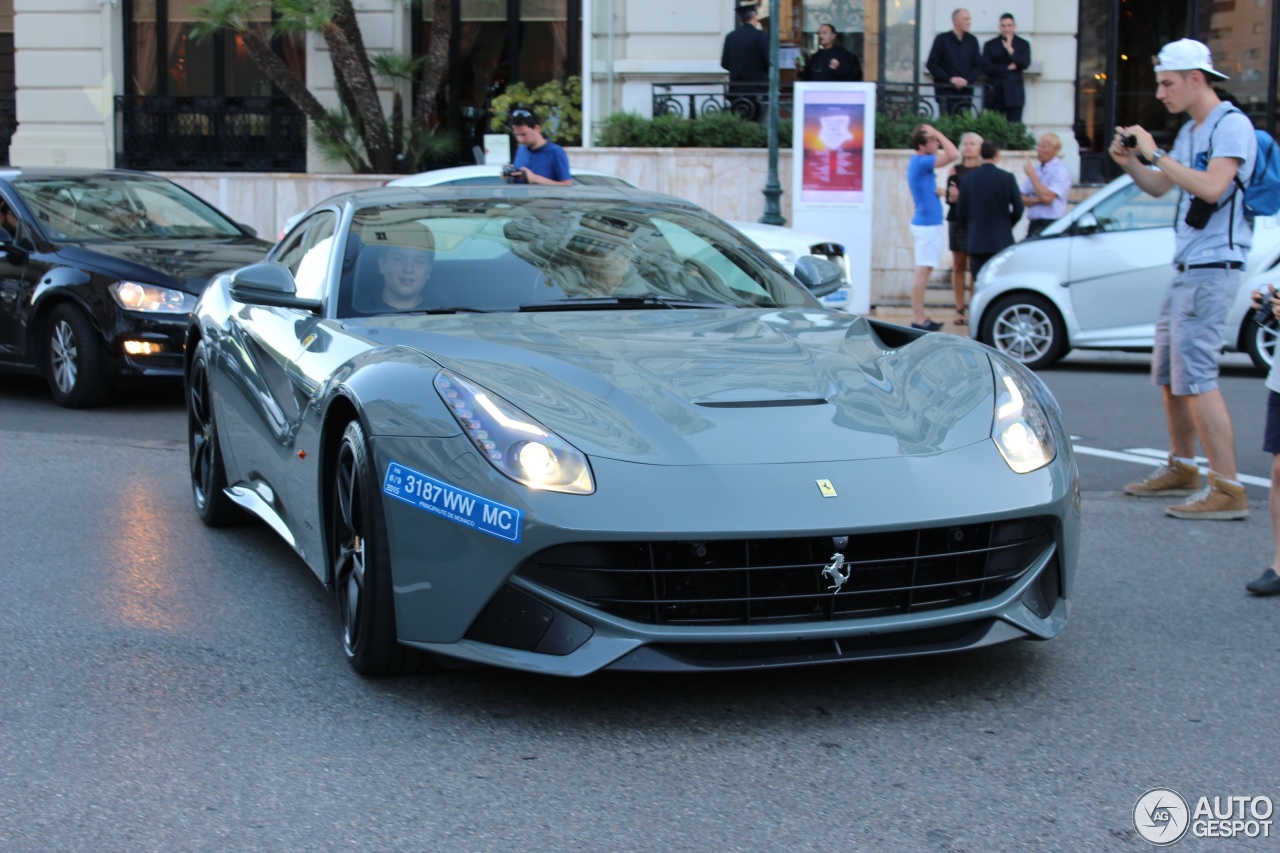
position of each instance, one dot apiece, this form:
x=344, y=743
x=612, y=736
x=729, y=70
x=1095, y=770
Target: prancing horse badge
x=827, y=489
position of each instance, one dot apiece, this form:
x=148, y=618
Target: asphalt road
x=170, y=687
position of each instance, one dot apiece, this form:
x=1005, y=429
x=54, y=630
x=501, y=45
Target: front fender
x=1040, y=283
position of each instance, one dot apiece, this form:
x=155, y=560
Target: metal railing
x=231, y=134
x=893, y=100
x=8, y=124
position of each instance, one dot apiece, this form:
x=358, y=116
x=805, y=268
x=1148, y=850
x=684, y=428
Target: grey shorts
x=1189, y=330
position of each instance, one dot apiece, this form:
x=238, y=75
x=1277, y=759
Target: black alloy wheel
x=208, y=472
x=361, y=564
x=73, y=359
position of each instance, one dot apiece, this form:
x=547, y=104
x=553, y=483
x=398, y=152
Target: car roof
x=10, y=173
x=403, y=195
x=462, y=173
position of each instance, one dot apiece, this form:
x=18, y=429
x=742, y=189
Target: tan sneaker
x=1171, y=480
x=1220, y=501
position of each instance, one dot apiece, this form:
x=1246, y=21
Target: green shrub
x=1013, y=136
x=710, y=130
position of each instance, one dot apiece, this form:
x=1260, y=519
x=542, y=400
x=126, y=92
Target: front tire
x=73, y=359
x=1027, y=328
x=361, y=564
x=208, y=472
x=1260, y=343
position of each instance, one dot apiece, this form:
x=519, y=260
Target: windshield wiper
x=605, y=302
x=453, y=309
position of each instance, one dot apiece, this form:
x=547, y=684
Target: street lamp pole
x=772, y=189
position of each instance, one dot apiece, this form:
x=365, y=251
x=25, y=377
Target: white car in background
x=1095, y=279
x=786, y=245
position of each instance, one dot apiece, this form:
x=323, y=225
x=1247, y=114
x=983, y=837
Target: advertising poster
x=835, y=132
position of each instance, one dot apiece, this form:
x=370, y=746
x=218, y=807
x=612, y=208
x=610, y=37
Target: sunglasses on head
x=521, y=113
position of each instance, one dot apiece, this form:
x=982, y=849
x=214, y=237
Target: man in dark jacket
x=1004, y=58
x=746, y=58
x=989, y=206
x=955, y=62
x=832, y=62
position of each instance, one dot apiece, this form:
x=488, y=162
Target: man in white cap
x=1211, y=239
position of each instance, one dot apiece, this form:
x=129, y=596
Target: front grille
x=758, y=581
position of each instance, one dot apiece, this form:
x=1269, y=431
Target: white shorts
x=928, y=240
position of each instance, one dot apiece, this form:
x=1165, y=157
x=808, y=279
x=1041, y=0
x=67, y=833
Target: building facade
x=131, y=82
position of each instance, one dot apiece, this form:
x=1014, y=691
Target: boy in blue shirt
x=542, y=161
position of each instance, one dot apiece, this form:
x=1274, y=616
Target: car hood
x=185, y=264
x=720, y=386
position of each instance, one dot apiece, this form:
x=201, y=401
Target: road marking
x=1145, y=455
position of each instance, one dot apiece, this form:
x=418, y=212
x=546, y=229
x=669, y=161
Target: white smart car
x=1095, y=279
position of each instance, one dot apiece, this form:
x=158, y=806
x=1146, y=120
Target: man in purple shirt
x=1045, y=188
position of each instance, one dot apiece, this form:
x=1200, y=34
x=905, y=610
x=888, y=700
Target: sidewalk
x=901, y=315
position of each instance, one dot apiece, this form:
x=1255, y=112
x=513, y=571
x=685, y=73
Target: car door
x=1118, y=274
x=279, y=357
x=19, y=276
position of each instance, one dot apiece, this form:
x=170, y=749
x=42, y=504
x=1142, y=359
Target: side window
x=313, y=269
x=291, y=251
x=1131, y=209
x=10, y=222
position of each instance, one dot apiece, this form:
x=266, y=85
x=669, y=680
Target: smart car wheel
x=208, y=473
x=1260, y=343
x=1025, y=327
x=73, y=359
x=361, y=567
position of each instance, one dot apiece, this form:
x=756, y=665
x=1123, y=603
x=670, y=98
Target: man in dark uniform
x=955, y=62
x=1004, y=58
x=746, y=58
x=989, y=206
x=832, y=62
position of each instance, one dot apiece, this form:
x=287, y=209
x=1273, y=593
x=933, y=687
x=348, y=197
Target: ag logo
x=1161, y=816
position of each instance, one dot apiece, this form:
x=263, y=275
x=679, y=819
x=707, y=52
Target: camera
x=1263, y=315
x=1129, y=141
x=1199, y=212
x=513, y=175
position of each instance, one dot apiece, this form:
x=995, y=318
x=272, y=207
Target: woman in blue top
x=927, y=229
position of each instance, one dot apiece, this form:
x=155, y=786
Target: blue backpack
x=1262, y=193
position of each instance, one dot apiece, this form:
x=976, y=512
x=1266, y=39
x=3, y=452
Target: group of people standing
x=984, y=204
x=956, y=63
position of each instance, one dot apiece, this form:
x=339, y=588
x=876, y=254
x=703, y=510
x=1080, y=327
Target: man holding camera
x=537, y=160
x=1211, y=239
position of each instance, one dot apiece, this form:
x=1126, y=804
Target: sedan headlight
x=513, y=442
x=1021, y=426
x=150, y=297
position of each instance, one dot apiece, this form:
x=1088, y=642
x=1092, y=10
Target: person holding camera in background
x=1211, y=238
x=537, y=160
x=1268, y=314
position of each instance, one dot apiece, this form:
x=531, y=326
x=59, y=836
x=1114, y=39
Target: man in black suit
x=746, y=58
x=955, y=62
x=1004, y=58
x=990, y=205
x=831, y=63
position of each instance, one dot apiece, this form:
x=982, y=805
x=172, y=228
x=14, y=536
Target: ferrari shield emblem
x=828, y=490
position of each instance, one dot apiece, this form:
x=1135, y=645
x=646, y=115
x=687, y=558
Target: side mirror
x=1087, y=224
x=270, y=284
x=819, y=275
x=252, y=232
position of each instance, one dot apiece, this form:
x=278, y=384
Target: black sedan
x=99, y=272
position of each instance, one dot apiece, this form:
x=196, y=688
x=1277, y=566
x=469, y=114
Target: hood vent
x=763, y=404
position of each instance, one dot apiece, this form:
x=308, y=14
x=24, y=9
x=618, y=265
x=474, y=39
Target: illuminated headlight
x=1021, y=428
x=143, y=348
x=149, y=297
x=513, y=442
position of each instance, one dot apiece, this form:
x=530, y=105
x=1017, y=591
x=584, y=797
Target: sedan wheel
x=1260, y=343
x=73, y=359
x=361, y=565
x=1025, y=327
x=208, y=473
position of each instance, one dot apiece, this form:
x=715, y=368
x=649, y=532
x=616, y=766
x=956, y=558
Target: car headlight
x=1020, y=427
x=513, y=442
x=991, y=268
x=150, y=297
x=787, y=259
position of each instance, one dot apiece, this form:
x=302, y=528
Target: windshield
x=115, y=207
x=545, y=253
